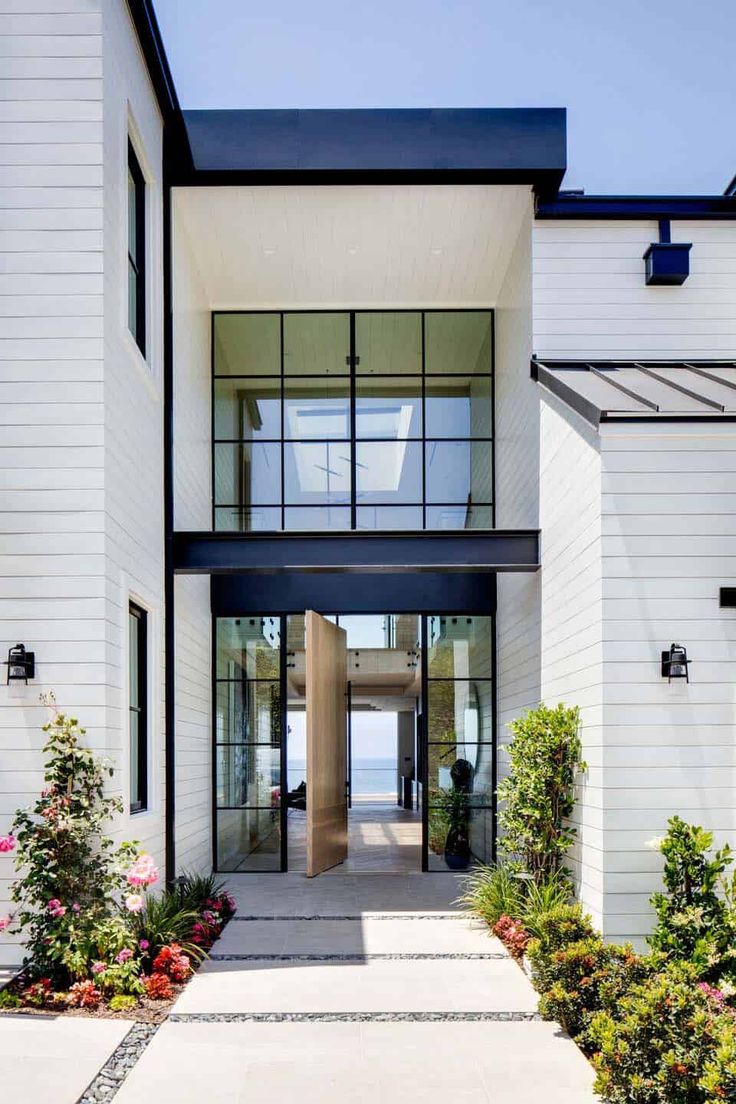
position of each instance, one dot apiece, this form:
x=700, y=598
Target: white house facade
x=374, y=364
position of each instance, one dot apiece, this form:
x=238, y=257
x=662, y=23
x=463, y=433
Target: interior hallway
x=357, y=989
x=381, y=839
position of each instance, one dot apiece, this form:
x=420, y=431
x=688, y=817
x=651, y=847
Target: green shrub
x=586, y=977
x=694, y=922
x=542, y=897
x=556, y=930
x=669, y=1042
x=162, y=921
x=9, y=1000
x=195, y=890
x=491, y=892
x=538, y=795
x=122, y=1003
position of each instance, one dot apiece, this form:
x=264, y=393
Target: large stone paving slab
x=367, y=936
x=366, y=1063
x=52, y=1059
x=370, y=985
x=338, y=894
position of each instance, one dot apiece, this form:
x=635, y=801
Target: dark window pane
x=247, y=409
x=248, y=712
x=317, y=409
x=459, y=471
x=258, y=519
x=459, y=517
x=468, y=767
x=388, y=408
x=458, y=406
x=132, y=219
x=248, y=840
x=478, y=825
x=248, y=646
x=388, y=343
x=138, y=707
x=313, y=518
x=247, y=474
x=459, y=648
x=389, y=517
x=460, y=711
x=317, y=473
x=458, y=342
x=316, y=344
x=248, y=774
x=247, y=345
x=388, y=472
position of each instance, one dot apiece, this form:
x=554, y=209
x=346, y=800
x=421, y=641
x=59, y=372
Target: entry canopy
x=458, y=145
x=642, y=390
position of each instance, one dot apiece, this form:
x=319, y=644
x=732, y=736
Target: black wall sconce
x=675, y=663
x=667, y=263
x=21, y=664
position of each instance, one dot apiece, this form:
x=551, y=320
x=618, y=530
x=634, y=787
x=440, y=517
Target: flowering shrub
x=173, y=962
x=143, y=872
x=37, y=993
x=667, y=1043
x=72, y=873
x=513, y=934
x=84, y=994
x=158, y=987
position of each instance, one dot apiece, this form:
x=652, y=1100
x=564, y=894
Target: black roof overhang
x=455, y=145
x=449, y=551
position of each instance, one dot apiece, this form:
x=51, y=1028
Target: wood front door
x=326, y=684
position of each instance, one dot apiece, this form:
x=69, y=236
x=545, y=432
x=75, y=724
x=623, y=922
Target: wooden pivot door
x=326, y=684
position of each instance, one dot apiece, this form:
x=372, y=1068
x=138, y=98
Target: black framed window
x=138, y=706
x=352, y=420
x=136, y=250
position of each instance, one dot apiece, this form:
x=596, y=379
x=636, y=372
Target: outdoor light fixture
x=21, y=664
x=675, y=663
x=667, y=263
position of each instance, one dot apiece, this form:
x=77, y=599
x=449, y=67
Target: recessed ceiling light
x=268, y=250
x=352, y=250
x=436, y=251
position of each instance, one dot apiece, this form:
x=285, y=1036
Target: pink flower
x=5, y=922
x=54, y=903
x=143, y=944
x=7, y=843
x=134, y=902
x=98, y=967
x=76, y=907
x=124, y=955
x=143, y=872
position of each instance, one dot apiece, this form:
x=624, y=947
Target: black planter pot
x=457, y=849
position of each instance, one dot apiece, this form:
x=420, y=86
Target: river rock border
x=353, y=1017
x=105, y=1085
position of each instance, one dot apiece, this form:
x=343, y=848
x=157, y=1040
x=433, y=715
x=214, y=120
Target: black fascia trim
x=147, y=31
x=395, y=552
x=636, y=207
x=455, y=145
x=572, y=398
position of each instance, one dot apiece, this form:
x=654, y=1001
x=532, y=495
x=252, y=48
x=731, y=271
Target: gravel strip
x=360, y=916
x=351, y=1017
x=107, y=1082
x=354, y=957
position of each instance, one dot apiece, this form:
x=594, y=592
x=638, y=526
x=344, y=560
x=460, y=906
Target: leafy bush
x=586, y=977
x=694, y=921
x=512, y=934
x=667, y=1043
x=542, y=897
x=197, y=890
x=173, y=962
x=84, y=994
x=73, y=875
x=162, y=921
x=538, y=795
x=556, y=930
x=158, y=987
x=122, y=1003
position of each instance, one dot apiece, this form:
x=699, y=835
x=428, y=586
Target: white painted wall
x=192, y=510
x=80, y=451
x=517, y=490
x=590, y=298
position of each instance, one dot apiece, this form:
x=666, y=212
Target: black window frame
x=137, y=264
x=139, y=617
x=352, y=377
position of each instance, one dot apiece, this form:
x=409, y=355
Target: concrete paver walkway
x=384, y=994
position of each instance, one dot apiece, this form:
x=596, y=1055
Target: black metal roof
x=642, y=390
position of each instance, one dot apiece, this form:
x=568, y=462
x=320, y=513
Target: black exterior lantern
x=21, y=664
x=667, y=263
x=675, y=663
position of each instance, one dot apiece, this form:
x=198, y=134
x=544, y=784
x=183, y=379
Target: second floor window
x=136, y=251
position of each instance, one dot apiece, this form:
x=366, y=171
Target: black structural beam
x=268, y=553
x=636, y=207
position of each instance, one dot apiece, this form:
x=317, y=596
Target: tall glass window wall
x=353, y=420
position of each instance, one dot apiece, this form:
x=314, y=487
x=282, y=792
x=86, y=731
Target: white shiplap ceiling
x=363, y=245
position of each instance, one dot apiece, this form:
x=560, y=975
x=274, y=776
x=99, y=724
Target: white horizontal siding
x=590, y=299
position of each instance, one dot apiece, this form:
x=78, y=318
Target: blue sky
x=648, y=84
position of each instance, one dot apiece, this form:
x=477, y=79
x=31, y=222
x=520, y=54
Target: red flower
x=158, y=987
x=172, y=962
